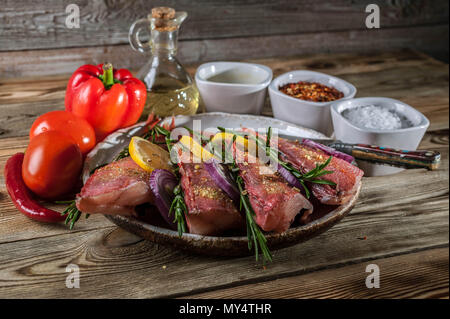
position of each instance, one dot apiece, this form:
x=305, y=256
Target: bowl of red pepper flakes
x=304, y=98
x=311, y=91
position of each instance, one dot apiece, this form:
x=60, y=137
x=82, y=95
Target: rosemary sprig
x=72, y=212
x=318, y=171
x=311, y=176
x=161, y=130
x=178, y=205
x=255, y=235
x=179, y=208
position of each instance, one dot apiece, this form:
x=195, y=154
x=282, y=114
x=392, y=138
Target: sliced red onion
x=291, y=179
x=222, y=177
x=162, y=183
x=328, y=150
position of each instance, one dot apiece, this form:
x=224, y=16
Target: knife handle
x=390, y=156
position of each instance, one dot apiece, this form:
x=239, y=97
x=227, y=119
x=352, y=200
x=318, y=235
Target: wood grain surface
x=42, y=25
x=43, y=45
x=44, y=62
x=401, y=222
x=417, y=275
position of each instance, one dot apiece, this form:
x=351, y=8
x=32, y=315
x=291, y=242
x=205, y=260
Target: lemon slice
x=147, y=155
x=224, y=136
x=196, y=149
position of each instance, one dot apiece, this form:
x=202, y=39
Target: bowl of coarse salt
x=378, y=121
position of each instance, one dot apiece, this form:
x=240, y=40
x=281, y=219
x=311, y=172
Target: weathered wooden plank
x=115, y=264
x=49, y=88
x=417, y=275
x=13, y=145
x=435, y=139
x=390, y=74
x=38, y=63
x=42, y=25
x=14, y=226
x=32, y=88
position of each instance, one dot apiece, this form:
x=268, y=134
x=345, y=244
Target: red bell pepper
x=108, y=99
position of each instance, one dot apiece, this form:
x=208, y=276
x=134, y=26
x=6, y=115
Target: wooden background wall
x=34, y=40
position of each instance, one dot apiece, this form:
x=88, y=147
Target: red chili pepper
x=21, y=196
x=108, y=99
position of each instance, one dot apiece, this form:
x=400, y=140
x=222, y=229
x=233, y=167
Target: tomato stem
x=108, y=77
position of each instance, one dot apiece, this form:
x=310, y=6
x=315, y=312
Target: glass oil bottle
x=170, y=89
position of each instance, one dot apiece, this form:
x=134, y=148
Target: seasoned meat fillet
x=346, y=176
x=115, y=189
x=274, y=202
x=211, y=210
x=304, y=158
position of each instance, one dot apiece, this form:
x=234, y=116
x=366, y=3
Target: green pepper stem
x=108, y=77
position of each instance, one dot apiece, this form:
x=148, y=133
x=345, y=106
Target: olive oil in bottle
x=170, y=89
x=170, y=96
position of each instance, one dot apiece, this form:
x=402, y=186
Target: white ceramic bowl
x=405, y=138
x=248, y=96
x=315, y=115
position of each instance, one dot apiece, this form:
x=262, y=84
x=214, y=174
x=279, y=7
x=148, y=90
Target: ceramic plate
x=321, y=220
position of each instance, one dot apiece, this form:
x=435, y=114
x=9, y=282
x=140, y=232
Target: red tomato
x=67, y=123
x=52, y=164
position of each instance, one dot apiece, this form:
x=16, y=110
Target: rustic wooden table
x=400, y=222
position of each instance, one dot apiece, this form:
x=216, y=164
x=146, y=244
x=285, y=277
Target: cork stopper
x=164, y=13
x=163, y=19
